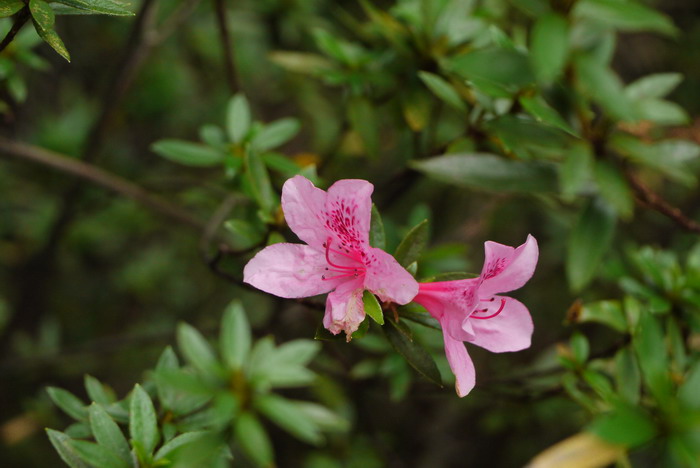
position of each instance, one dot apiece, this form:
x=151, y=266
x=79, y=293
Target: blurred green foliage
x=572, y=120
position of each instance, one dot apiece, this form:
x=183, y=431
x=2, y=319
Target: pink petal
x=511, y=330
x=289, y=270
x=386, y=278
x=304, y=208
x=461, y=365
x=451, y=302
x=505, y=268
x=349, y=211
x=344, y=308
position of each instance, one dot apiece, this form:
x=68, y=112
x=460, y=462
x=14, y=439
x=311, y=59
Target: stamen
x=327, y=245
x=345, y=275
x=500, y=309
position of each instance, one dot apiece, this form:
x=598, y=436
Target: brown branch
x=99, y=177
x=225, y=36
x=650, y=199
x=20, y=20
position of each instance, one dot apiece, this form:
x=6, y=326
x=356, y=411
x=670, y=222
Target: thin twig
x=225, y=36
x=99, y=177
x=20, y=20
x=647, y=197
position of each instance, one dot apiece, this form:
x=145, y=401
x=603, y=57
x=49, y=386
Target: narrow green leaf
x=259, y=181
x=608, y=313
x=414, y=354
x=411, y=247
x=196, y=349
x=69, y=403
x=543, y=112
x=588, y=242
x=253, y=439
x=614, y=189
x=235, y=338
x=326, y=419
x=105, y=7
x=238, y=118
x=188, y=153
x=627, y=375
x=42, y=14
x=62, y=443
x=661, y=112
x=442, y=89
x=276, y=133
x=143, y=423
x=300, y=62
x=287, y=415
x=372, y=307
x=363, y=120
x=626, y=425
x=512, y=73
x=490, y=173
x=99, y=392
x=107, y=432
x=579, y=347
x=549, y=46
x=52, y=39
x=10, y=7
x=177, y=442
x=377, y=237
x=625, y=16
x=657, y=86
x=649, y=344
x=604, y=86
x=688, y=394
x=576, y=171
x=97, y=455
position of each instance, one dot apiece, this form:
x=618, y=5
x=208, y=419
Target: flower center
x=481, y=311
x=343, y=271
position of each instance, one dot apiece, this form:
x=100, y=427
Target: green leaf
x=377, y=237
x=549, y=46
x=253, y=439
x=62, y=443
x=588, y=242
x=281, y=163
x=627, y=376
x=245, y=234
x=300, y=62
x=649, y=344
x=579, y=347
x=197, y=350
x=412, y=245
x=43, y=15
x=10, y=7
x=276, y=133
x=107, y=432
x=625, y=16
x=99, y=392
x=238, y=118
x=235, y=337
x=512, y=73
x=600, y=83
x=542, y=111
x=576, y=171
x=97, y=455
x=614, y=189
x=105, y=7
x=363, y=120
x=177, y=442
x=143, y=423
x=52, y=39
x=399, y=337
x=188, y=153
x=654, y=86
x=69, y=403
x=287, y=415
x=372, y=307
x=259, y=181
x=608, y=313
x=442, y=89
x=490, y=173
x=625, y=425
x=661, y=112
x=688, y=394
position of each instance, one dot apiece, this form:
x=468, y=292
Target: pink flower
x=469, y=309
x=337, y=257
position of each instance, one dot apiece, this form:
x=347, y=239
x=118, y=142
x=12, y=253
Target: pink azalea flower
x=337, y=257
x=470, y=309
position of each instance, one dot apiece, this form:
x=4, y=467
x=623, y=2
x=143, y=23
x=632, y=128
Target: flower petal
x=344, y=308
x=289, y=270
x=451, y=302
x=505, y=268
x=349, y=211
x=304, y=208
x=510, y=330
x=386, y=278
x=461, y=365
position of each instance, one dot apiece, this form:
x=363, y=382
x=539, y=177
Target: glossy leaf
x=543, y=112
x=412, y=245
x=287, y=415
x=576, y=171
x=276, y=134
x=625, y=16
x=649, y=344
x=10, y=7
x=614, y=189
x=238, y=118
x=235, y=338
x=655, y=86
x=197, y=351
x=442, y=89
x=107, y=432
x=253, y=439
x=372, y=307
x=414, y=354
x=625, y=425
x=98, y=455
x=177, y=442
x=143, y=423
x=377, y=236
x=604, y=86
x=69, y=403
x=627, y=375
x=188, y=153
x=105, y=7
x=62, y=443
x=43, y=15
x=98, y=392
x=549, y=46
x=608, y=313
x=259, y=181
